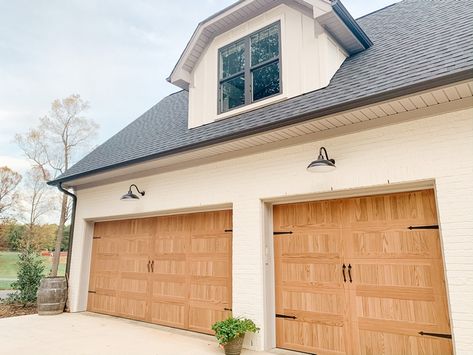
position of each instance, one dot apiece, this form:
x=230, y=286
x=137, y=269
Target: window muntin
x=249, y=69
x=232, y=59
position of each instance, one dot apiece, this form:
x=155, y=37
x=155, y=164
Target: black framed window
x=249, y=69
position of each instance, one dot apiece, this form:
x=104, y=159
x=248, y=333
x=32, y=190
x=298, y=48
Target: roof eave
x=351, y=23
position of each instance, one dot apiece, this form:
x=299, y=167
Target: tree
x=9, y=181
x=39, y=203
x=14, y=235
x=60, y=137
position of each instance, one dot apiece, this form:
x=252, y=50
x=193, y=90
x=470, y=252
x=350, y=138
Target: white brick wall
x=437, y=149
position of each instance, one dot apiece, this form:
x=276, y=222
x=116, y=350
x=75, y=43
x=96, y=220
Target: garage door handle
x=343, y=272
x=349, y=272
x=152, y=266
x=149, y=263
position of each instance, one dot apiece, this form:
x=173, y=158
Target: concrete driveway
x=88, y=333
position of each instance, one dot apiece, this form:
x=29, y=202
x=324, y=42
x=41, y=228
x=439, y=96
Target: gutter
x=71, y=229
x=466, y=74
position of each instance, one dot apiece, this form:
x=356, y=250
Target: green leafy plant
x=231, y=328
x=30, y=273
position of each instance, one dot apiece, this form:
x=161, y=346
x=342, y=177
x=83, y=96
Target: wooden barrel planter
x=52, y=294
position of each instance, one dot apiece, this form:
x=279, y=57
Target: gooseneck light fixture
x=130, y=196
x=323, y=163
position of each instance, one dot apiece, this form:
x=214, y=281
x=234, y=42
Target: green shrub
x=30, y=273
x=231, y=328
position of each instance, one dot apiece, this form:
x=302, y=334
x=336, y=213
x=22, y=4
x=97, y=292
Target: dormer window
x=249, y=69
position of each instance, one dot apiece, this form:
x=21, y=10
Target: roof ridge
x=381, y=9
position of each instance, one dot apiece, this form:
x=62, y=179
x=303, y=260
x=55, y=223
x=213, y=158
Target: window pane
x=232, y=59
x=232, y=93
x=265, y=45
x=266, y=81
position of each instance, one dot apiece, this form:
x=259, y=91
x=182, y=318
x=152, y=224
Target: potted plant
x=230, y=333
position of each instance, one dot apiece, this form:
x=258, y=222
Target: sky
x=116, y=54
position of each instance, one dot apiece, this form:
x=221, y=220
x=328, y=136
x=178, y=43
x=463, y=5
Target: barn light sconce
x=130, y=196
x=323, y=163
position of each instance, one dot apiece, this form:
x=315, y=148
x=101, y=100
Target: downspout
x=71, y=231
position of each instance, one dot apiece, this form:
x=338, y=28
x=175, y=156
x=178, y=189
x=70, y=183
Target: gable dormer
x=258, y=52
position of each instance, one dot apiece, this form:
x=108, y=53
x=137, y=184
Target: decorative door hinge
x=96, y=237
x=438, y=335
x=435, y=226
x=281, y=233
x=285, y=317
x=228, y=230
x=92, y=291
x=227, y=309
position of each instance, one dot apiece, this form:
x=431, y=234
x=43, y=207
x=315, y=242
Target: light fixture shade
x=130, y=196
x=322, y=164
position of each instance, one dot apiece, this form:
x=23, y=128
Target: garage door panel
x=107, y=246
x=167, y=313
x=169, y=288
x=202, y=318
x=130, y=307
x=323, y=214
x=310, y=272
x=213, y=243
x=396, y=243
x=418, y=312
x=296, y=301
x=113, y=228
x=210, y=268
x=210, y=222
x=128, y=283
x=168, y=266
x=401, y=209
x=105, y=281
x=102, y=303
x=105, y=263
x=169, y=244
x=312, y=337
x=210, y=293
x=310, y=242
x=134, y=264
x=389, y=274
x=385, y=343
x=135, y=245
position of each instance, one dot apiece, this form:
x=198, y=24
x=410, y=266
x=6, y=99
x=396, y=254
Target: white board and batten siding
x=303, y=43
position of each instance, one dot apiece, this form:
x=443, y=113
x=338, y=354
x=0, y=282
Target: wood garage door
x=171, y=270
x=361, y=276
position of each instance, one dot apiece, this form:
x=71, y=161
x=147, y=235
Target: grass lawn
x=9, y=267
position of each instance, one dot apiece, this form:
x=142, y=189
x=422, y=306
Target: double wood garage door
x=361, y=276
x=171, y=270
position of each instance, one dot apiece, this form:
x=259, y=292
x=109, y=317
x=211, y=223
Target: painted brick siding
x=438, y=149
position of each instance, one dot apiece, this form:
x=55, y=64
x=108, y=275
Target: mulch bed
x=13, y=310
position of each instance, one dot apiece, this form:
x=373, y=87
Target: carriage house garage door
x=361, y=276
x=170, y=270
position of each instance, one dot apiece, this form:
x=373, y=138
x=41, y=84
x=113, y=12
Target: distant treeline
x=43, y=237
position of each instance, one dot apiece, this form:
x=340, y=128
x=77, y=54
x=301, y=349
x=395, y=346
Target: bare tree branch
x=61, y=135
x=9, y=181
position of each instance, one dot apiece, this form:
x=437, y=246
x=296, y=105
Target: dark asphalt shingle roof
x=415, y=41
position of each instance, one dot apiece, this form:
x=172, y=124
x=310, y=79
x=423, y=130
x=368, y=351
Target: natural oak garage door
x=361, y=276
x=171, y=270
